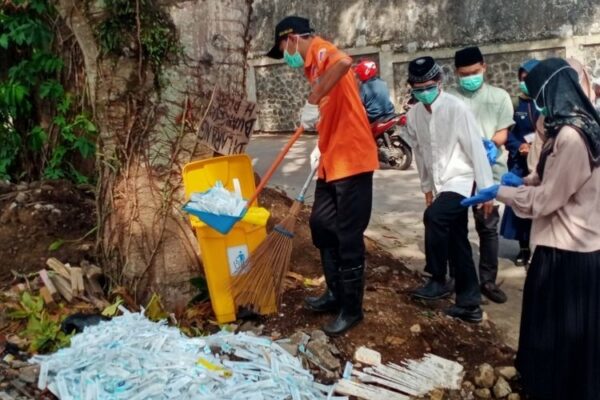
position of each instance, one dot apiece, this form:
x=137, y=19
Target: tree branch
x=84, y=35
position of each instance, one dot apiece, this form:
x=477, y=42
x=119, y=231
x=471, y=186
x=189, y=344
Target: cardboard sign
x=229, y=123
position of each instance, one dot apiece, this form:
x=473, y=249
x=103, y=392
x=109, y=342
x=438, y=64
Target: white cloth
x=447, y=145
x=315, y=156
x=309, y=116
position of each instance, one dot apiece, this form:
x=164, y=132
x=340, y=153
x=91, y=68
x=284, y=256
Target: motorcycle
x=393, y=151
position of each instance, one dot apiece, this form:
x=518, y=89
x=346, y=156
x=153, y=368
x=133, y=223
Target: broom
x=263, y=273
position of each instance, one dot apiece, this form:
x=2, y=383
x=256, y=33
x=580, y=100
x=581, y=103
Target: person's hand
x=487, y=207
x=309, y=116
x=491, y=151
x=428, y=198
x=511, y=179
x=482, y=196
x=315, y=156
x=524, y=148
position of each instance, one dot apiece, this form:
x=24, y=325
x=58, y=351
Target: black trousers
x=487, y=229
x=447, y=242
x=340, y=215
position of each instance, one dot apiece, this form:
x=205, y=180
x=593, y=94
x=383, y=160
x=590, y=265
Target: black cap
x=286, y=26
x=468, y=56
x=422, y=69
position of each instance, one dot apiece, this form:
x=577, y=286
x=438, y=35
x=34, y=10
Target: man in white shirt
x=450, y=155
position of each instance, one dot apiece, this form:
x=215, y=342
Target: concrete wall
x=394, y=32
x=280, y=92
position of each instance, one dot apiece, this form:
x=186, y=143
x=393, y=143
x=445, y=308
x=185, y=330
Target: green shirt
x=493, y=109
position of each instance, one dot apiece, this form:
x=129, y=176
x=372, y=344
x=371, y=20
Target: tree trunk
x=145, y=241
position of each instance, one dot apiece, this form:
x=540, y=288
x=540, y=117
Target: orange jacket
x=345, y=140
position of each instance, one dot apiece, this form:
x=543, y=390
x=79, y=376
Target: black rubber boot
x=328, y=301
x=351, y=298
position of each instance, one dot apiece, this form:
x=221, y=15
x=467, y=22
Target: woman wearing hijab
x=585, y=80
x=518, y=145
x=559, y=344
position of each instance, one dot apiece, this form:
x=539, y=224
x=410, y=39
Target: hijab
x=554, y=84
x=585, y=79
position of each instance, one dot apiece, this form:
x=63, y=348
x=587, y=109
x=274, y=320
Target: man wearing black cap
x=493, y=109
x=450, y=155
x=348, y=157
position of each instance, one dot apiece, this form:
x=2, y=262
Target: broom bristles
x=263, y=274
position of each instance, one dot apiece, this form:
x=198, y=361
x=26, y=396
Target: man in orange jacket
x=348, y=157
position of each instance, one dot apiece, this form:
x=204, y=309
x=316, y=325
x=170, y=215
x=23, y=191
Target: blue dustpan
x=220, y=223
x=224, y=223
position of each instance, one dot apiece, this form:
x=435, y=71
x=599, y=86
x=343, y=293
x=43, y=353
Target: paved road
x=397, y=219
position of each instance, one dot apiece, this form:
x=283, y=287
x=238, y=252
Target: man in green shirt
x=493, y=109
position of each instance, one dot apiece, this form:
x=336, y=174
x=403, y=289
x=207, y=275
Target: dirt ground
x=389, y=311
x=34, y=216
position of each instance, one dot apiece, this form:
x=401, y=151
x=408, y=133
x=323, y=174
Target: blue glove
x=491, y=151
x=482, y=196
x=511, y=179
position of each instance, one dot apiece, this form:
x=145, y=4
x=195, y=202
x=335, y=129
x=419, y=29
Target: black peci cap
x=468, y=56
x=286, y=26
x=422, y=69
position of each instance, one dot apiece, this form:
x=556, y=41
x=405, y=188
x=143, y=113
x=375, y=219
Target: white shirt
x=448, y=148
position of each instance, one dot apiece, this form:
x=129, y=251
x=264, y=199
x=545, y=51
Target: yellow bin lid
x=200, y=176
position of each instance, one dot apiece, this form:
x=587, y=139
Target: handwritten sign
x=229, y=123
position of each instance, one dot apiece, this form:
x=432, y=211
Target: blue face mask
x=523, y=88
x=293, y=60
x=427, y=95
x=471, y=83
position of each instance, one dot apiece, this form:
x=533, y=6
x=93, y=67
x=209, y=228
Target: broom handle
x=302, y=193
x=275, y=165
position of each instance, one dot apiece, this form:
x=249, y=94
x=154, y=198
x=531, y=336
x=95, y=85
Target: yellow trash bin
x=223, y=255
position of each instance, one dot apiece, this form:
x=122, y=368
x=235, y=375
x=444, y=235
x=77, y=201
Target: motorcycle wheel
x=399, y=157
x=406, y=160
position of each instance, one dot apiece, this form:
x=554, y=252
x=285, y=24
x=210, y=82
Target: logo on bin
x=236, y=255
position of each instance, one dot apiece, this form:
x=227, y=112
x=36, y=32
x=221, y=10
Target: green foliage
x=42, y=331
x=57, y=244
x=29, y=305
x=155, y=310
x=112, y=309
x=45, y=335
x=118, y=32
x=30, y=86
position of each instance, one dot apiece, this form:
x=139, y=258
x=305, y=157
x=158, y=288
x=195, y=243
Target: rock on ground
x=502, y=388
x=507, y=373
x=323, y=354
x=485, y=377
x=483, y=393
x=437, y=394
x=29, y=373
